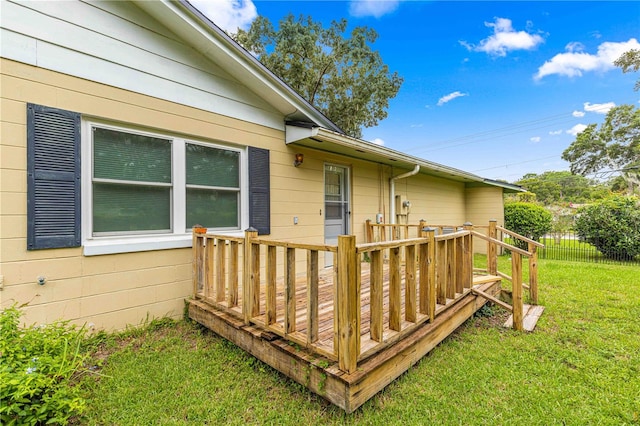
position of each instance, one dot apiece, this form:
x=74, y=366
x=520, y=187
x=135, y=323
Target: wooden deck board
x=347, y=391
x=272, y=344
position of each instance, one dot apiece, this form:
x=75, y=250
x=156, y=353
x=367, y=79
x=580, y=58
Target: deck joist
x=322, y=375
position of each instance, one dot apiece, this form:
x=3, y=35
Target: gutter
x=392, y=190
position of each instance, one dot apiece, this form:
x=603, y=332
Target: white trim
x=179, y=236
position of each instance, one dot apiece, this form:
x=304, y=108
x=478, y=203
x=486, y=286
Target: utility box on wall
x=403, y=206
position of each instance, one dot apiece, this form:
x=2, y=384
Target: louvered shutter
x=53, y=178
x=259, y=190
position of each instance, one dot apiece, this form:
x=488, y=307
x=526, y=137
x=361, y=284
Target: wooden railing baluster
x=312, y=296
x=376, y=283
x=220, y=269
x=394, y=289
x=270, y=289
x=410, y=284
x=290, y=291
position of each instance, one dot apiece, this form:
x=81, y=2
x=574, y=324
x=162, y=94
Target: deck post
x=428, y=274
x=468, y=256
x=492, y=249
x=368, y=231
x=516, y=291
x=197, y=262
x=248, y=276
x=533, y=274
x=348, y=304
x=421, y=228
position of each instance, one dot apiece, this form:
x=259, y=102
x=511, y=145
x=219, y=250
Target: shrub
x=37, y=367
x=611, y=225
x=527, y=219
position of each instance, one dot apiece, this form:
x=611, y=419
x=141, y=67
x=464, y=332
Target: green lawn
x=581, y=366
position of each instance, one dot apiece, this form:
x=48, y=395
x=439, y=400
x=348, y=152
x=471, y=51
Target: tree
x=629, y=61
x=527, y=219
x=615, y=146
x=557, y=187
x=341, y=76
x=612, y=226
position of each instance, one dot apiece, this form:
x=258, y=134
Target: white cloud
x=451, y=96
x=535, y=139
x=599, y=108
x=575, y=46
x=504, y=39
x=375, y=8
x=576, y=129
x=377, y=141
x=228, y=14
x=578, y=113
x=573, y=63
x=555, y=132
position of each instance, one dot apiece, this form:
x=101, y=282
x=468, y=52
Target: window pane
x=212, y=208
x=121, y=208
x=127, y=156
x=212, y=166
x=333, y=210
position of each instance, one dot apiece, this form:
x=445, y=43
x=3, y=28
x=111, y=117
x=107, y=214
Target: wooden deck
x=379, y=362
x=347, y=331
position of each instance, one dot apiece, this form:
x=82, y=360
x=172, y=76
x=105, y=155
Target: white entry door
x=336, y=205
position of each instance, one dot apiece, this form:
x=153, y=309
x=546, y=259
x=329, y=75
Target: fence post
x=492, y=252
x=348, y=304
x=248, y=276
x=516, y=291
x=533, y=274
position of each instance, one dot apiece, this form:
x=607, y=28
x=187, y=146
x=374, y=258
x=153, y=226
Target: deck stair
x=532, y=314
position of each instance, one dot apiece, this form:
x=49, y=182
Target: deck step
x=531, y=315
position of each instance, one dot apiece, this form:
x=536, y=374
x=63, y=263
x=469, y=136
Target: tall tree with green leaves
x=341, y=75
x=615, y=145
x=556, y=187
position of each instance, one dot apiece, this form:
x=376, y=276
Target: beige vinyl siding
x=109, y=291
x=483, y=205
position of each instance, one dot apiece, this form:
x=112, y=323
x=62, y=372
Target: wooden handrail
x=501, y=243
x=430, y=271
x=519, y=237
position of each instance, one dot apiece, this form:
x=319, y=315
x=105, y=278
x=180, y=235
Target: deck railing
x=362, y=306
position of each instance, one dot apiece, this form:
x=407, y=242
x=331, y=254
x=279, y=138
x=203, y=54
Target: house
x=126, y=123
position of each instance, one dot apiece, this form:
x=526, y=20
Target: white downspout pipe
x=392, y=190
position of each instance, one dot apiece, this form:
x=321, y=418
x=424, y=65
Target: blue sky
x=496, y=88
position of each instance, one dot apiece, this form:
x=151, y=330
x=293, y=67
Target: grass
x=580, y=366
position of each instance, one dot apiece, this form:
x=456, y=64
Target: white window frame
x=179, y=236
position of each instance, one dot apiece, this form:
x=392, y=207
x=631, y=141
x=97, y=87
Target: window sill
x=113, y=245
x=135, y=244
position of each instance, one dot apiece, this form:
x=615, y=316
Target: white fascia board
x=187, y=22
x=297, y=134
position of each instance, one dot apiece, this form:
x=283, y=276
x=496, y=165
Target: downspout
x=392, y=191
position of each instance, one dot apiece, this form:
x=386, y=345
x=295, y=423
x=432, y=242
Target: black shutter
x=259, y=191
x=53, y=178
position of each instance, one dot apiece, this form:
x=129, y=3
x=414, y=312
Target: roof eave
x=327, y=140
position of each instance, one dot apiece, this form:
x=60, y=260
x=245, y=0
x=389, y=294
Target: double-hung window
x=146, y=184
x=132, y=183
x=112, y=188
